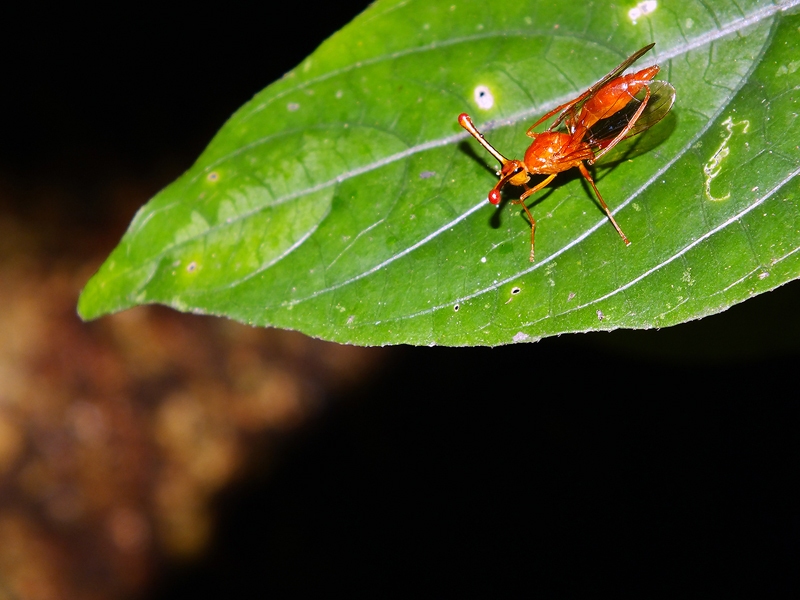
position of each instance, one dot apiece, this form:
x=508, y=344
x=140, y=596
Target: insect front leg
x=528, y=191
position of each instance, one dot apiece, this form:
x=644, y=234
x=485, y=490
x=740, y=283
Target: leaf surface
x=345, y=201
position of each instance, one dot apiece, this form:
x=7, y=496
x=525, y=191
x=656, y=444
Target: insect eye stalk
x=466, y=122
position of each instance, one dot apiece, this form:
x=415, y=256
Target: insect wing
x=662, y=96
x=573, y=107
x=618, y=70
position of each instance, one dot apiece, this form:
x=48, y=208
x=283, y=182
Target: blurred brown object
x=116, y=435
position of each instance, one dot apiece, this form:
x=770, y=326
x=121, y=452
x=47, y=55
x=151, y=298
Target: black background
x=660, y=460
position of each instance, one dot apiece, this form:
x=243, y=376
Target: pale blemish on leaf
x=514, y=291
x=713, y=167
x=227, y=212
x=788, y=69
x=196, y=227
x=483, y=97
x=642, y=9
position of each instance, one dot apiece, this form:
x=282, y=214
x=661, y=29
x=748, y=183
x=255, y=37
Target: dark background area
x=636, y=460
x=589, y=470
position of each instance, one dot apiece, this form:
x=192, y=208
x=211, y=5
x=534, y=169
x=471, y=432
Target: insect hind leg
x=588, y=177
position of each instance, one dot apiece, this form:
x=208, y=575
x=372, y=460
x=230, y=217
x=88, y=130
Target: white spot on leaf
x=483, y=97
x=643, y=8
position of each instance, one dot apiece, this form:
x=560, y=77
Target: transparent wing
x=617, y=71
x=662, y=97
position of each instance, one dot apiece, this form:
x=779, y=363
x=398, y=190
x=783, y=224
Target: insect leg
x=536, y=188
x=528, y=191
x=585, y=173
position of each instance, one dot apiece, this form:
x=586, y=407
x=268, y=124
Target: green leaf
x=345, y=201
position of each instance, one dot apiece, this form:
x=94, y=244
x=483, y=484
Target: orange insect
x=616, y=107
